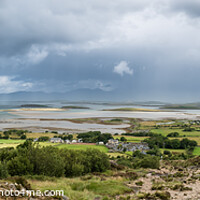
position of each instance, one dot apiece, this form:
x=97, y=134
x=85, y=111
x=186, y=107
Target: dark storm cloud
x=191, y=8
x=24, y=23
x=121, y=45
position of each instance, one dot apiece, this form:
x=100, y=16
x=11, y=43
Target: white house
x=80, y=140
x=67, y=141
x=56, y=140
x=101, y=143
x=112, y=141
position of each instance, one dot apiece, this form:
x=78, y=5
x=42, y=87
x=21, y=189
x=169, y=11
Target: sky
x=131, y=50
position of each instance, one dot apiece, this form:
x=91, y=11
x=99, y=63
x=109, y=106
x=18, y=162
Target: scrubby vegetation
x=165, y=171
x=141, y=161
x=50, y=161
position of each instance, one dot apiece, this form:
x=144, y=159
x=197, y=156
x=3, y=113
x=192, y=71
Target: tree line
x=164, y=142
x=94, y=136
x=31, y=159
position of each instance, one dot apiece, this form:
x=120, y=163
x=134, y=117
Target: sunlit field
x=83, y=147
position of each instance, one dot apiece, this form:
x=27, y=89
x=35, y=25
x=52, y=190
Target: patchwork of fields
x=143, y=125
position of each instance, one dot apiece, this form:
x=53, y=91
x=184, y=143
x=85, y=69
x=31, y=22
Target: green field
x=32, y=135
x=10, y=143
x=37, y=135
x=15, y=143
x=166, y=131
x=130, y=138
x=196, y=151
x=173, y=150
x=44, y=144
x=82, y=147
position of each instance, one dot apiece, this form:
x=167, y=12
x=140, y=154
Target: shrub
x=3, y=170
x=166, y=152
x=189, y=129
x=125, y=162
x=123, y=139
x=20, y=165
x=146, y=161
x=47, y=161
x=43, y=139
x=163, y=195
x=149, y=162
x=23, y=137
x=139, y=183
x=138, y=154
x=173, y=134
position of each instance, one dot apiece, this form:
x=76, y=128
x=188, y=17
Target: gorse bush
x=29, y=159
x=146, y=161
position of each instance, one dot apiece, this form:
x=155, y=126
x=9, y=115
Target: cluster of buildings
x=59, y=140
x=112, y=144
x=116, y=146
x=194, y=122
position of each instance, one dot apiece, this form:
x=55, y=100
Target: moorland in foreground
x=95, y=165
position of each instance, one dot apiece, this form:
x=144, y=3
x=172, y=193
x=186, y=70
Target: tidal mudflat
x=59, y=119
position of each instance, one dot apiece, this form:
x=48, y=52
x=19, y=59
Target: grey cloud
x=70, y=22
x=66, y=45
x=8, y=84
x=191, y=8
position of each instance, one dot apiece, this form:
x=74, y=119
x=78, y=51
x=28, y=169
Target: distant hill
x=187, y=106
x=33, y=106
x=76, y=95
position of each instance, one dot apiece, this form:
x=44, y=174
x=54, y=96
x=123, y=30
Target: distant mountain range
x=97, y=96
x=80, y=95
x=76, y=95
